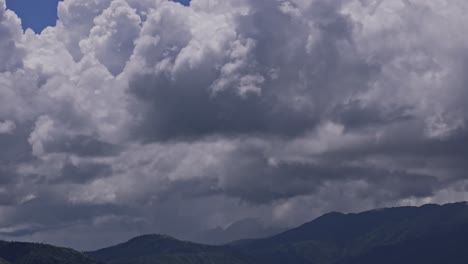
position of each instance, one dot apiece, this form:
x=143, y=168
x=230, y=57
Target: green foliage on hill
x=159, y=249
x=2, y=261
x=30, y=253
x=427, y=234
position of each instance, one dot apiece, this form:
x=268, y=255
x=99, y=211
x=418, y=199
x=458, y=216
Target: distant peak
x=465, y=203
x=152, y=237
x=332, y=214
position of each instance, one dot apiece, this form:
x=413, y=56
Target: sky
x=35, y=14
x=38, y=15
x=131, y=117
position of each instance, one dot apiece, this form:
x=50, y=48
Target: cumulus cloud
x=133, y=116
x=113, y=35
x=10, y=30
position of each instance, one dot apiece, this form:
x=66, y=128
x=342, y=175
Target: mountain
x=30, y=253
x=249, y=228
x=430, y=234
x=405, y=235
x=159, y=249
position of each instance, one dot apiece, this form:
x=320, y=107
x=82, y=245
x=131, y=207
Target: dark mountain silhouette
x=430, y=234
x=155, y=249
x=30, y=253
x=426, y=234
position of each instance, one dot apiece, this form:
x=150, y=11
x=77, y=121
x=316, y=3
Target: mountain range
x=406, y=235
x=29, y=253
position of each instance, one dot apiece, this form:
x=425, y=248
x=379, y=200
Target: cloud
x=243, y=84
x=113, y=35
x=150, y=116
x=7, y=127
x=10, y=30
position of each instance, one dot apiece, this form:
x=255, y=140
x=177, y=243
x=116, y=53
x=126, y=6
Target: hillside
x=427, y=234
x=433, y=234
x=155, y=249
x=30, y=253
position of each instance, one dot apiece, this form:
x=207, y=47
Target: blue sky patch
x=39, y=14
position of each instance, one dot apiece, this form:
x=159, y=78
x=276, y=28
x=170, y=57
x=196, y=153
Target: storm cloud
x=132, y=117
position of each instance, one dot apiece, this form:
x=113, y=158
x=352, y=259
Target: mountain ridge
x=336, y=236
x=37, y=253
x=157, y=248
x=434, y=234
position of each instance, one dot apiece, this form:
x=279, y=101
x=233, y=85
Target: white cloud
x=112, y=38
x=7, y=127
x=11, y=51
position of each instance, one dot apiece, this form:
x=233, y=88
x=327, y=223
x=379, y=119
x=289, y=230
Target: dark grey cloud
x=257, y=179
x=188, y=111
x=82, y=173
x=15, y=147
x=300, y=84
x=83, y=145
x=355, y=115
